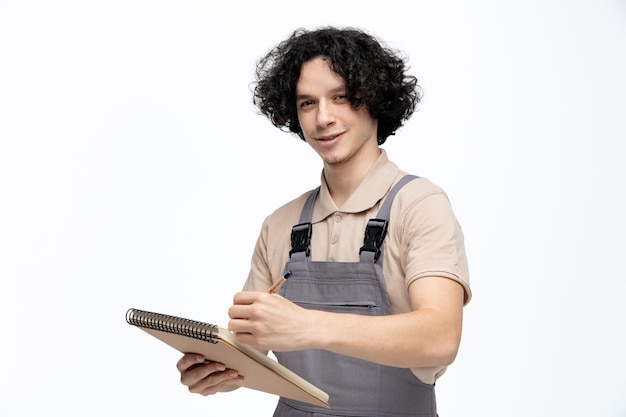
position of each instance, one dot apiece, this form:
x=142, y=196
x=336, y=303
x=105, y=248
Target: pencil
x=278, y=283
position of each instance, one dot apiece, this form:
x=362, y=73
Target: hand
x=205, y=377
x=270, y=322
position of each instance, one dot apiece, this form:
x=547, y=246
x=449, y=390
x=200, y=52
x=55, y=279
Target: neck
x=344, y=178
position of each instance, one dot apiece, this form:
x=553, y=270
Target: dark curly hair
x=375, y=76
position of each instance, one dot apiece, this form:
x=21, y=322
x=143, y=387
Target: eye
x=306, y=103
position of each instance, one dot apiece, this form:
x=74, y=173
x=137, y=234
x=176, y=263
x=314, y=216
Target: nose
x=325, y=113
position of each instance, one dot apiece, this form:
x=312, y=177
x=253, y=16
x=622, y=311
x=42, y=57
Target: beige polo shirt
x=424, y=239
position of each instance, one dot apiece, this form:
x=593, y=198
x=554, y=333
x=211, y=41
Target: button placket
x=333, y=237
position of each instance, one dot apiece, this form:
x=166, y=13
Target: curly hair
x=375, y=76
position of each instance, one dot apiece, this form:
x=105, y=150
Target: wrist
x=319, y=329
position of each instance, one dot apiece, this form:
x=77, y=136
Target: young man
x=372, y=311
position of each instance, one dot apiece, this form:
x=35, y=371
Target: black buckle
x=301, y=238
x=375, y=233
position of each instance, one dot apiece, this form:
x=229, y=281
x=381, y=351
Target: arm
x=429, y=335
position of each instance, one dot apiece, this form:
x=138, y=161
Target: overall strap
x=376, y=229
x=301, y=233
x=307, y=210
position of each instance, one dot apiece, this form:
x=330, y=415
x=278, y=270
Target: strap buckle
x=375, y=233
x=301, y=239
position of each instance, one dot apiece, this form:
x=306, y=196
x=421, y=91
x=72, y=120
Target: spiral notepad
x=215, y=343
x=171, y=324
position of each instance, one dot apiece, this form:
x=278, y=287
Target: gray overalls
x=356, y=387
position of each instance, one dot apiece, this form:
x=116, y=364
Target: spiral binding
x=172, y=324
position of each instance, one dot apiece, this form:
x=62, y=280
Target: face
x=339, y=133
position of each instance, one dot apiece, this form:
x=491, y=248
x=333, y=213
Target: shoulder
x=419, y=192
x=421, y=211
x=286, y=215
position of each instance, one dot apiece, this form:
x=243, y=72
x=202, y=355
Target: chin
x=335, y=160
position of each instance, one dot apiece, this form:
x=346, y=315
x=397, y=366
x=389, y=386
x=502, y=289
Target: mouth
x=328, y=137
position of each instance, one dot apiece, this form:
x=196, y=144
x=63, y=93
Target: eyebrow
x=339, y=89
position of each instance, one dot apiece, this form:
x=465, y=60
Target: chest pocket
x=346, y=287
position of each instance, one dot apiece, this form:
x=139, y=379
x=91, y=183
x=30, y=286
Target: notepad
x=218, y=344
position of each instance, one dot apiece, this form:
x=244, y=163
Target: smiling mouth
x=327, y=138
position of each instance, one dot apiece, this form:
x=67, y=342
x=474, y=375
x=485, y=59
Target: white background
x=134, y=172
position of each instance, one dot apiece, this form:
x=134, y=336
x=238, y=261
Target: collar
x=376, y=184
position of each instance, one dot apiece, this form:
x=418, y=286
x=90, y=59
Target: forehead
x=316, y=76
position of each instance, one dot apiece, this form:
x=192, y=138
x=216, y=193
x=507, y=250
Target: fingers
x=247, y=297
x=250, y=304
x=244, y=305
x=206, y=377
x=188, y=360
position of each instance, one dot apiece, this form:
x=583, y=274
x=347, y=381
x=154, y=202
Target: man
x=372, y=311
